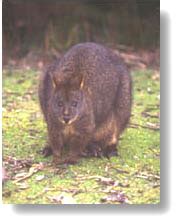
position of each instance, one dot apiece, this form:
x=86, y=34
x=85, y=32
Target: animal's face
x=67, y=105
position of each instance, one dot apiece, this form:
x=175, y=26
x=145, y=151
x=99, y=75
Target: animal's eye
x=74, y=103
x=60, y=103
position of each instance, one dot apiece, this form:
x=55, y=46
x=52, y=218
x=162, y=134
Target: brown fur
x=90, y=90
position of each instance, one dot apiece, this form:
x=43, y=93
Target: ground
x=133, y=177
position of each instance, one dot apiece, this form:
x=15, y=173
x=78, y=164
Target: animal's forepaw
x=47, y=151
x=94, y=151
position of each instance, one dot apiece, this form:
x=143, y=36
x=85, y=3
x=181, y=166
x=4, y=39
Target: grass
x=132, y=177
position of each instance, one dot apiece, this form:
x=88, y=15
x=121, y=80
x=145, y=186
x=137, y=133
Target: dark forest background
x=51, y=26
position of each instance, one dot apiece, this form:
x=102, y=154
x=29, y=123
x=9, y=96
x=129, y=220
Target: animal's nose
x=66, y=119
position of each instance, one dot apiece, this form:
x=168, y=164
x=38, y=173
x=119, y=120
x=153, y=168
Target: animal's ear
x=82, y=83
x=54, y=83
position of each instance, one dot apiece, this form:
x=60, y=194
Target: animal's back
x=105, y=82
x=101, y=70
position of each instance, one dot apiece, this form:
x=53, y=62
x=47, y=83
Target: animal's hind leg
x=94, y=149
x=110, y=147
x=111, y=150
x=105, y=139
x=120, y=116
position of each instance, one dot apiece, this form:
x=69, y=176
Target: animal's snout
x=66, y=119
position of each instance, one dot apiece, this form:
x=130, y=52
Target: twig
x=145, y=114
x=148, y=176
x=120, y=171
x=134, y=125
x=32, y=170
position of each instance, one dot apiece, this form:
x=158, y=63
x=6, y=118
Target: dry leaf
x=56, y=199
x=68, y=200
x=22, y=176
x=22, y=186
x=39, y=177
x=115, y=197
x=62, y=199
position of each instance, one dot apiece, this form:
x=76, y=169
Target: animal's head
x=68, y=103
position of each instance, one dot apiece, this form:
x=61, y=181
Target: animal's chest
x=68, y=132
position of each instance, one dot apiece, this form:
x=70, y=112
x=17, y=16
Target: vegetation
x=62, y=24
x=133, y=177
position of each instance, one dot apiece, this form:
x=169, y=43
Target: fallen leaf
x=39, y=177
x=68, y=200
x=22, y=186
x=106, y=181
x=35, y=168
x=56, y=199
x=115, y=197
x=20, y=175
x=62, y=199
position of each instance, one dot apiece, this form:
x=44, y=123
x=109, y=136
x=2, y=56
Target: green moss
x=136, y=170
